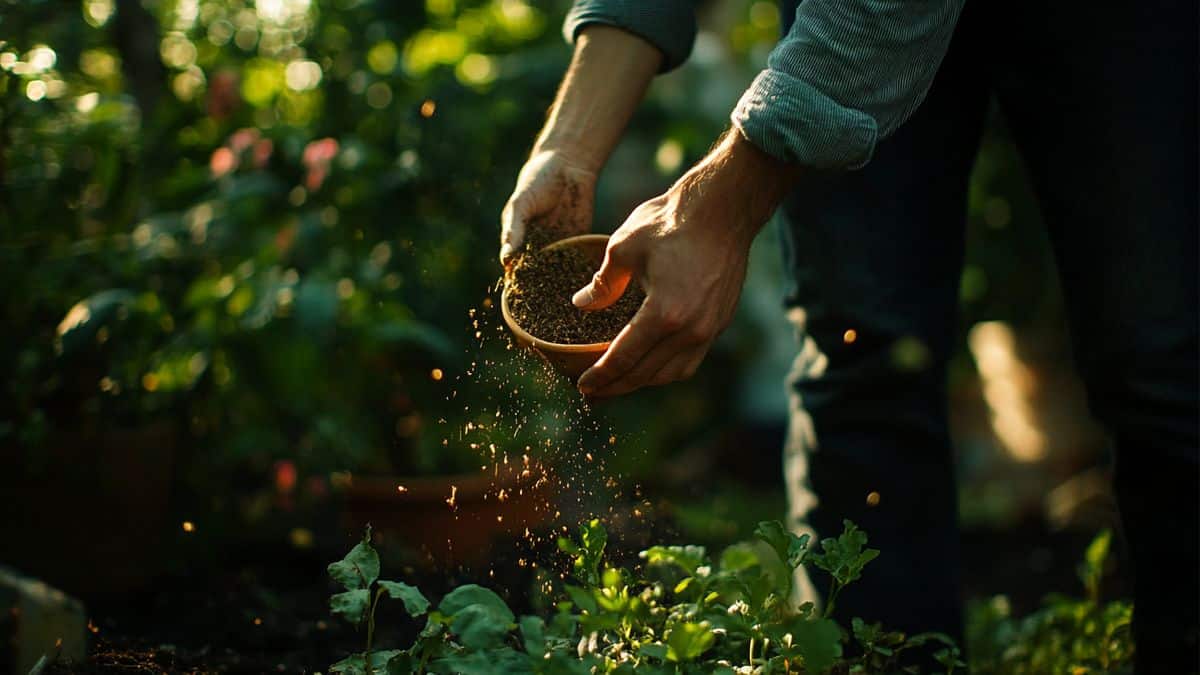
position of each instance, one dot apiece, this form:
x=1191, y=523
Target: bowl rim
x=546, y=345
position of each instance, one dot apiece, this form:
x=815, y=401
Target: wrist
x=571, y=150
x=737, y=183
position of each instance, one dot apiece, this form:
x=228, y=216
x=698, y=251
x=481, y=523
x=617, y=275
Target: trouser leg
x=876, y=258
x=1102, y=101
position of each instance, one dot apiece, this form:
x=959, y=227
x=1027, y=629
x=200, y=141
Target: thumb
x=607, y=285
x=512, y=232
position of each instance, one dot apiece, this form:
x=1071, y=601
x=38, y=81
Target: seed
x=540, y=286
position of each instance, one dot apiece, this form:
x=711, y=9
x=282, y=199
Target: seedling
x=679, y=612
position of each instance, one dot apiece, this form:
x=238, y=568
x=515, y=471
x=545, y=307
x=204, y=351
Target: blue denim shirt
x=847, y=73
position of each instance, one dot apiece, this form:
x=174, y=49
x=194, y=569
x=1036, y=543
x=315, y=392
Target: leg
x=1103, y=106
x=880, y=252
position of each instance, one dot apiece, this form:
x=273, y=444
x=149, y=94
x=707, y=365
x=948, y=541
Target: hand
x=553, y=199
x=688, y=249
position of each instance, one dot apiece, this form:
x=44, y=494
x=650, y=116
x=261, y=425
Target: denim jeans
x=1101, y=99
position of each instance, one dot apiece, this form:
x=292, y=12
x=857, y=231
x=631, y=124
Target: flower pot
x=87, y=511
x=451, y=520
x=569, y=359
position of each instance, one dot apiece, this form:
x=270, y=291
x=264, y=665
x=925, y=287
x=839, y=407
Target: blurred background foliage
x=266, y=223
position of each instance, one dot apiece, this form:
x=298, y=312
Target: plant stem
x=371, y=630
x=833, y=593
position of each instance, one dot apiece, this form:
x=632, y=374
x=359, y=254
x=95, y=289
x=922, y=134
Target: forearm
x=607, y=78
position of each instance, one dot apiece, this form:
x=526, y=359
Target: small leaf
x=472, y=594
x=687, y=640
x=582, y=598
x=351, y=605
x=818, y=642
x=655, y=650
x=686, y=558
x=414, y=602
x=351, y=665
x=790, y=548
x=360, y=567
x=844, y=557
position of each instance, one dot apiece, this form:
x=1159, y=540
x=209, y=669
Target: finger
x=512, y=231
x=677, y=347
x=627, y=349
x=681, y=367
x=608, y=283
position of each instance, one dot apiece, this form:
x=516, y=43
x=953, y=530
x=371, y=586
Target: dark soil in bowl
x=540, y=286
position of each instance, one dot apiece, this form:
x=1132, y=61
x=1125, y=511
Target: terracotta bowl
x=570, y=360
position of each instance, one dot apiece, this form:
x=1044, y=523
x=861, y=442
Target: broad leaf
x=380, y=663
x=414, y=602
x=533, y=635
x=489, y=662
x=588, y=553
x=360, y=567
x=582, y=598
x=687, y=640
x=481, y=626
x=472, y=594
x=818, y=642
x=351, y=605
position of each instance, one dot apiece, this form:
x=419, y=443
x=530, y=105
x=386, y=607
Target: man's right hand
x=553, y=200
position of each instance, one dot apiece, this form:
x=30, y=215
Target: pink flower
x=222, y=162
x=262, y=152
x=243, y=139
x=318, y=155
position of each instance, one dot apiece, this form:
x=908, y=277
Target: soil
x=540, y=286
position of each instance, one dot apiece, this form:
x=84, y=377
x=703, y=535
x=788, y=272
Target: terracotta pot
x=87, y=512
x=452, y=519
x=570, y=360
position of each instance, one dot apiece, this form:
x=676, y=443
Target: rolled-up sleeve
x=848, y=74
x=669, y=25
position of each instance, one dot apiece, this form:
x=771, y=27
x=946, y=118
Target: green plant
x=1065, y=635
x=678, y=612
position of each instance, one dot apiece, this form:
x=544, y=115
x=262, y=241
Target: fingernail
x=582, y=297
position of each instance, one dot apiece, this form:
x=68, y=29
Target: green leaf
x=489, y=662
x=533, y=635
x=472, y=594
x=818, y=642
x=588, y=554
x=655, y=650
x=414, y=602
x=400, y=664
x=686, y=558
x=789, y=547
x=844, y=557
x=380, y=663
x=582, y=598
x=360, y=567
x=351, y=665
x=351, y=605
x=481, y=626
x=688, y=640
x=739, y=557
x=1091, y=570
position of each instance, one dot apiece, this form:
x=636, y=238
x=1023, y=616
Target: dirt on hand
x=540, y=285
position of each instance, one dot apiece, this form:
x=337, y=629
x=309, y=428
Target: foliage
x=680, y=612
x=1066, y=635
x=209, y=207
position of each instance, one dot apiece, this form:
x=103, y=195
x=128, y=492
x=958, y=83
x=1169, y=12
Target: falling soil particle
x=540, y=286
